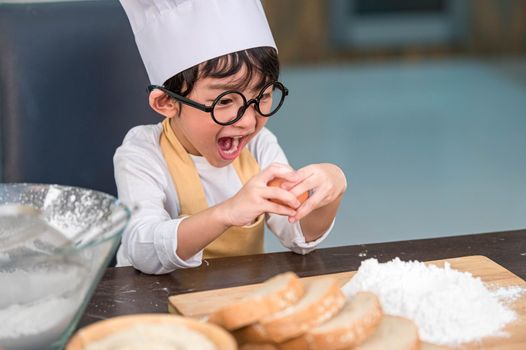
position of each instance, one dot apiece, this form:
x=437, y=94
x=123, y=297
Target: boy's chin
x=220, y=162
x=227, y=158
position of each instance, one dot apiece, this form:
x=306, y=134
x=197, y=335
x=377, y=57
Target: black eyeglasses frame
x=242, y=109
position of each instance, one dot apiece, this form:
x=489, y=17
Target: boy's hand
x=326, y=182
x=255, y=197
x=276, y=182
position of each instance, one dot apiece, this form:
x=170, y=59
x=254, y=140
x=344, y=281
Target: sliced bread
x=429, y=346
x=393, y=333
x=258, y=346
x=154, y=330
x=322, y=300
x=275, y=294
x=358, y=319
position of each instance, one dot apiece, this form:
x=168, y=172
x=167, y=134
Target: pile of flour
x=449, y=307
x=38, y=303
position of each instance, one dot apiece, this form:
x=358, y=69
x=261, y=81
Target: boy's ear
x=163, y=104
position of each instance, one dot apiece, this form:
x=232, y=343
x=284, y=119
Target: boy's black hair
x=260, y=61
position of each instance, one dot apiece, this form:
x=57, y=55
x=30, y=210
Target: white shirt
x=149, y=242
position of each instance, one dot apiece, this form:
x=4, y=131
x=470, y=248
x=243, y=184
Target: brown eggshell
x=276, y=182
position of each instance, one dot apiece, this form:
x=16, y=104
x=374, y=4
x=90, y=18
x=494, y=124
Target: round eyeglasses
x=231, y=105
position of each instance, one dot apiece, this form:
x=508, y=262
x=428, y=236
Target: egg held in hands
x=276, y=182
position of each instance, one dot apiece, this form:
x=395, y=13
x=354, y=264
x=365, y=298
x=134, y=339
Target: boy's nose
x=248, y=120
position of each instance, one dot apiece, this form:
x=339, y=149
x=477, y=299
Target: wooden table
x=124, y=290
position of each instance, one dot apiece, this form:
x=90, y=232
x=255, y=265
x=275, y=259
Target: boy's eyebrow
x=228, y=86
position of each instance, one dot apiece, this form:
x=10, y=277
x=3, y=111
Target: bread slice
x=322, y=300
x=275, y=294
x=159, y=323
x=394, y=333
x=429, y=346
x=358, y=319
x=258, y=346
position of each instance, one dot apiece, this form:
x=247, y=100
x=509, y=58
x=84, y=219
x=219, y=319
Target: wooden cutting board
x=200, y=304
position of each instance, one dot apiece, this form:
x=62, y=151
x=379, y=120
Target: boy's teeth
x=234, y=143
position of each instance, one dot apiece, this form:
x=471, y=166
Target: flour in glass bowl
x=449, y=307
x=38, y=303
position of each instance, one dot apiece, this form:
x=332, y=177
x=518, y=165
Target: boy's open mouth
x=230, y=147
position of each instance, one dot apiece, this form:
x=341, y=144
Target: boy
x=200, y=178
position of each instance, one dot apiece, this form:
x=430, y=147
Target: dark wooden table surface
x=124, y=290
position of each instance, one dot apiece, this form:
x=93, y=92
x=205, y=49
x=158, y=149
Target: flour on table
x=449, y=307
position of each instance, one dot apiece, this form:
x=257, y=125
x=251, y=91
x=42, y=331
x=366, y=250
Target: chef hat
x=174, y=35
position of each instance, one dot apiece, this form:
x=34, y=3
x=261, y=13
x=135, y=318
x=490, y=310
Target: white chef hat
x=174, y=35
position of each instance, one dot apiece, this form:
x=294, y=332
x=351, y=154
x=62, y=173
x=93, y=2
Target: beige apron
x=237, y=240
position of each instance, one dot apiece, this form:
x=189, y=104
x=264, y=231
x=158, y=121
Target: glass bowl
x=44, y=290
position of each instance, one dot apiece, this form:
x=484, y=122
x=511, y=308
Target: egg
x=276, y=182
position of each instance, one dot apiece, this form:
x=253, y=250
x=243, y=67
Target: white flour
x=37, y=304
x=450, y=307
x=36, y=325
x=22, y=320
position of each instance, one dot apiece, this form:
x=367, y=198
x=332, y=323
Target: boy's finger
x=282, y=197
x=306, y=171
x=304, y=182
x=292, y=181
x=291, y=177
x=307, y=185
x=279, y=209
x=276, y=170
x=308, y=206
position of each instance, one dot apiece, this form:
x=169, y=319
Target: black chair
x=71, y=85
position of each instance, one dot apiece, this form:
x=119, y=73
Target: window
x=370, y=24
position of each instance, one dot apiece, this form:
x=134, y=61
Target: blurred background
x=422, y=103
